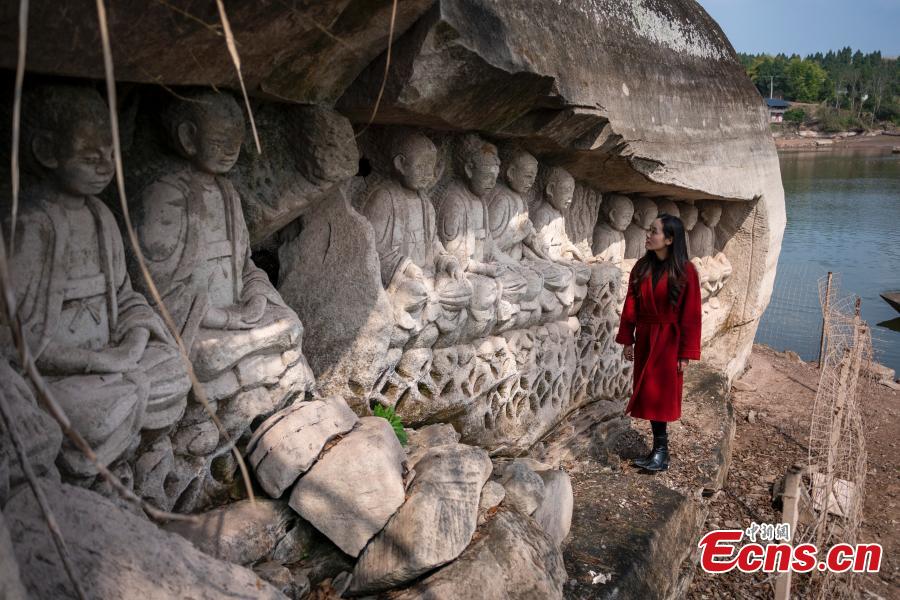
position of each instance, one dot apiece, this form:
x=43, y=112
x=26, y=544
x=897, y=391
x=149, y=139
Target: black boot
x=659, y=458
x=642, y=462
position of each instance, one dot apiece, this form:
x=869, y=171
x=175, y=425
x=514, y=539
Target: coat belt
x=656, y=319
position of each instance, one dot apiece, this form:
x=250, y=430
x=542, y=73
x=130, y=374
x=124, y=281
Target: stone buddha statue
x=668, y=207
x=463, y=226
x=244, y=342
x=107, y=357
x=689, y=215
x=714, y=266
x=427, y=285
x=645, y=213
x=609, y=234
x=550, y=230
x=513, y=234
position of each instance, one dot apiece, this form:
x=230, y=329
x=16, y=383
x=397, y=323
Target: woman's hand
x=629, y=352
x=682, y=364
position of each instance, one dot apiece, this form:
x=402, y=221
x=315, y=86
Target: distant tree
x=805, y=80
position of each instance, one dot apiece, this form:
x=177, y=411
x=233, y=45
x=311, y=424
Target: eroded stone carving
x=107, y=357
x=244, y=342
x=501, y=289
x=714, y=267
x=609, y=234
x=515, y=240
x=645, y=212
x=416, y=270
x=668, y=207
x=555, y=197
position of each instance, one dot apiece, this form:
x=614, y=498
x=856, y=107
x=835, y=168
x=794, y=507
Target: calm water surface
x=843, y=215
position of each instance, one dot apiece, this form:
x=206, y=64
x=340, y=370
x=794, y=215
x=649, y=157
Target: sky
x=808, y=26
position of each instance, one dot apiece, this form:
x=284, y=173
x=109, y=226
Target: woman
x=660, y=329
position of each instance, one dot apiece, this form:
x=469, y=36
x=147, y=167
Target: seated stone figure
x=713, y=266
x=609, y=234
x=427, y=286
x=689, y=215
x=514, y=238
x=668, y=207
x=462, y=224
x=550, y=232
x=107, y=357
x=645, y=213
x=244, y=342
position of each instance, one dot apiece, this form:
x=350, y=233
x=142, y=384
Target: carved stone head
x=520, y=169
x=559, y=188
x=326, y=148
x=66, y=138
x=645, y=212
x=619, y=211
x=478, y=163
x=711, y=212
x=689, y=215
x=207, y=129
x=414, y=158
x=664, y=205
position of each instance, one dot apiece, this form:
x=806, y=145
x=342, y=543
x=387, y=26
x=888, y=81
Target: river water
x=843, y=215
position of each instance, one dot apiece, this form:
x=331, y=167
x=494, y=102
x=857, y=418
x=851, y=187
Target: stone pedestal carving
x=245, y=343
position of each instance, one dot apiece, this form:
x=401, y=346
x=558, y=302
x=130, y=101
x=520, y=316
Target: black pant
x=658, y=427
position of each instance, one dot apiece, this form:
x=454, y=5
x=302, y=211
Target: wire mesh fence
x=832, y=487
x=793, y=319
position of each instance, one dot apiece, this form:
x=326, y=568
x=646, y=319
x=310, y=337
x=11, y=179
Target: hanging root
x=199, y=393
x=236, y=59
x=387, y=66
x=17, y=118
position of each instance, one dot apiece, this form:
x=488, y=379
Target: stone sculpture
x=668, y=207
x=609, y=235
x=645, y=213
x=107, y=357
x=513, y=234
x=244, y=342
x=499, y=288
x=550, y=227
x=714, y=267
x=689, y=215
x=416, y=270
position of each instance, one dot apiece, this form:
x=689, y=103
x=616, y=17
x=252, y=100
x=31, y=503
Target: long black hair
x=673, y=265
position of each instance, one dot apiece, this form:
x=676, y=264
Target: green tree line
x=864, y=84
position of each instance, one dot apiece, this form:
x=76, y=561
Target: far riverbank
x=851, y=140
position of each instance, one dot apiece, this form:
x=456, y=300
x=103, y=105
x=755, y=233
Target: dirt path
x=780, y=390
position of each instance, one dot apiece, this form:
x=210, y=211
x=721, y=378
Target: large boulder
x=116, y=554
x=11, y=587
x=512, y=558
x=38, y=432
x=287, y=444
x=554, y=514
x=433, y=526
x=524, y=488
x=352, y=491
x=243, y=532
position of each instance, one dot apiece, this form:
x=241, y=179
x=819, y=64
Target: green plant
x=795, y=115
x=385, y=412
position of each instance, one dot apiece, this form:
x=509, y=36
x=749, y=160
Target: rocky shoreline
x=881, y=141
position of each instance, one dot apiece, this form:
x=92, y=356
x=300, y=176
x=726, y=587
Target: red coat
x=661, y=335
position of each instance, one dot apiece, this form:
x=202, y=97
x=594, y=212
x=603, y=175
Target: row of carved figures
x=476, y=263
